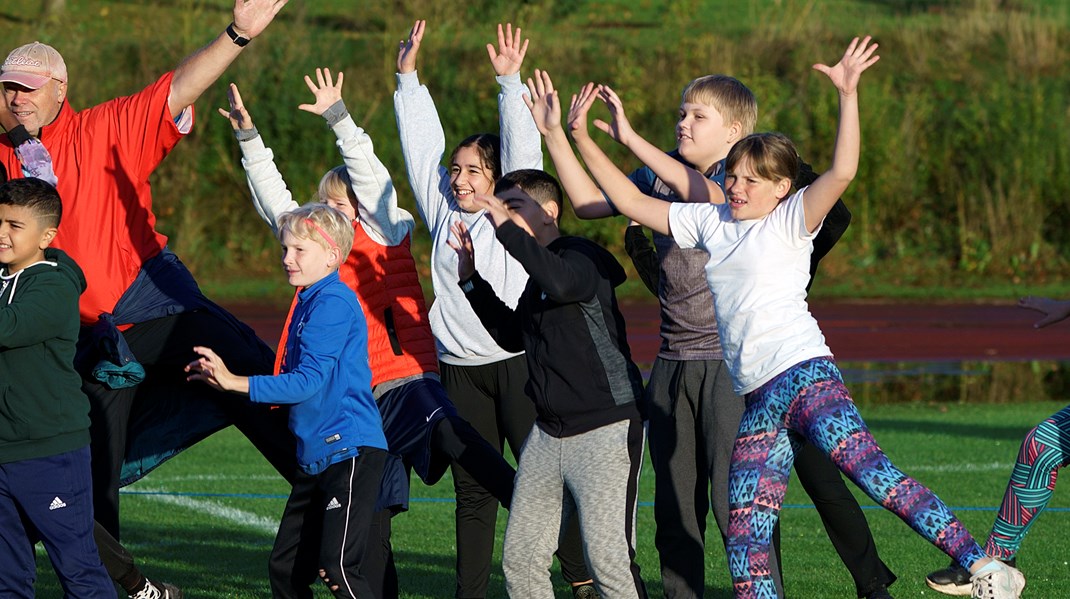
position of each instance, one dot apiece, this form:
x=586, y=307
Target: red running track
x=870, y=332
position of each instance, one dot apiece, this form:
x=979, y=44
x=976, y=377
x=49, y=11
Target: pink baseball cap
x=33, y=65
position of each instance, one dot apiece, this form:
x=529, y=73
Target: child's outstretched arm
x=824, y=192
x=423, y=142
x=377, y=202
x=521, y=144
x=500, y=320
x=545, y=106
x=626, y=197
x=271, y=198
x=685, y=181
x=1052, y=309
x=209, y=368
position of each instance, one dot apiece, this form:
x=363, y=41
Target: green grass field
x=206, y=519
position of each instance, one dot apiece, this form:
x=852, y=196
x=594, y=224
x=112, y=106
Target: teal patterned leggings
x=1044, y=451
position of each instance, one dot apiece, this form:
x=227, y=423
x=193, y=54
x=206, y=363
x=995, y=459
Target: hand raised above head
x=510, y=54
x=619, y=128
x=251, y=17
x=238, y=115
x=578, y=109
x=409, y=48
x=326, y=91
x=543, y=102
x=856, y=59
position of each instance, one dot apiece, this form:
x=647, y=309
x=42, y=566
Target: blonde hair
x=315, y=219
x=728, y=96
x=336, y=184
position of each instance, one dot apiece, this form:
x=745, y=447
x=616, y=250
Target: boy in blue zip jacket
x=325, y=377
x=45, y=480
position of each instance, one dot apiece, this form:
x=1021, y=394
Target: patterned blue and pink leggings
x=811, y=401
x=1044, y=451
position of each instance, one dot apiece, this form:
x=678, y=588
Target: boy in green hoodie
x=45, y=485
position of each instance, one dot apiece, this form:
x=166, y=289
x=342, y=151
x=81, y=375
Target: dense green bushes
x=965, y=174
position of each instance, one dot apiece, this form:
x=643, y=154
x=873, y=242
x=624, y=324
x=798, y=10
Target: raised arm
x=685, y=181
x=377, y=202
x=423, y=141
x=201, y=69
x=626, y=197
x=520, y=140
x=271, y=197
x=824, y=192
x=545, y=106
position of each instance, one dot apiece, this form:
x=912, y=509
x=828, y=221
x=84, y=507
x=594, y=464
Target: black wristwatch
x=237, y=39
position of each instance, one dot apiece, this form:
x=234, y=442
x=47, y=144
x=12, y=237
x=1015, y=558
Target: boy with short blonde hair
x=325, y=378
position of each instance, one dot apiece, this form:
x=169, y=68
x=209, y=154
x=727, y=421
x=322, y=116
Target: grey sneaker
x=584, y=591
x=1005, y=583
x=158, y=590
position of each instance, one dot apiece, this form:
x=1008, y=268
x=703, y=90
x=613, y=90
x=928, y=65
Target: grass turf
x=205, y=520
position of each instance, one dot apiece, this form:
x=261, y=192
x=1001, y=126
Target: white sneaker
x=1004, y=583
x=158, y=590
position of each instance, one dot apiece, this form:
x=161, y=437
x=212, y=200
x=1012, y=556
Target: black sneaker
x=584, y=591
x=953, y=580
x=880, y=593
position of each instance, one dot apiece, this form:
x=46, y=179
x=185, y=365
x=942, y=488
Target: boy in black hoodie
x=45, y=488
x=582, y=457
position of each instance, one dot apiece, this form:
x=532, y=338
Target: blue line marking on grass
x=787, y=506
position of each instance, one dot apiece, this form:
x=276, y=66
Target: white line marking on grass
x=968, y=467
x=215, y=477
x=215, y=510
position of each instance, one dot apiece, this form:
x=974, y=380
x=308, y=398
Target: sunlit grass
x=963, y=452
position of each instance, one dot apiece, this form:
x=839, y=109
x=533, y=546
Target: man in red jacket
x=142, y=312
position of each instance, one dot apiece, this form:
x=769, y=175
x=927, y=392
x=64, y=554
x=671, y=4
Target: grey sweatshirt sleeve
x=422, y=145
x=521, y=140
x=377, y=201
x=271, y=198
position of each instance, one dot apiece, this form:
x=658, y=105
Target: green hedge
x=964, y=173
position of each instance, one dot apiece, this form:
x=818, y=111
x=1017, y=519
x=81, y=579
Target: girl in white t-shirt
x=759, y=240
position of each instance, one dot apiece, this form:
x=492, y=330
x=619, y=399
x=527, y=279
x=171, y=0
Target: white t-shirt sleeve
x=788, y=219
x=692, y=225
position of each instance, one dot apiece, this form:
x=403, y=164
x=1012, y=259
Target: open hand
x=578, y=109
x=543, y=102
x=510, y=55
x=251, y=17
x=493, y=208
x=326, y=91
x=238, y=115
x=408, y=49
x=619, y=128
x=210, y=369
x=1053, y=310
x=466, y=254
x=856, y=59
